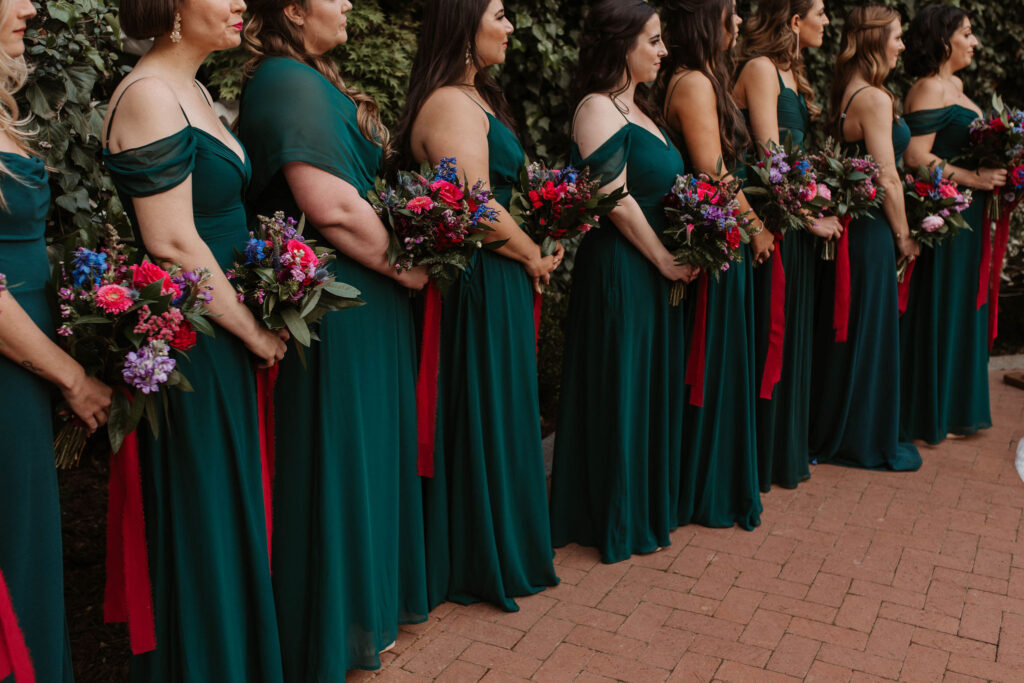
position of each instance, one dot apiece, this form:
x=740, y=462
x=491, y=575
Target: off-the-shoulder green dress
x=30, y=545
x=202, y=479
x=348, y=543
x=618, y=446
x=943, y=334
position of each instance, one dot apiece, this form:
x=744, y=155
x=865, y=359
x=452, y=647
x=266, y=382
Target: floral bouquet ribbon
x=14, y=654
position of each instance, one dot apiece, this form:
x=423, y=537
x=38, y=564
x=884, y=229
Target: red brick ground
x=854, y=576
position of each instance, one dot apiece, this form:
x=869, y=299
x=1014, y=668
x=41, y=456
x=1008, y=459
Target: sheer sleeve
x=153, y=168
x=608, y=160
x=291, y=113
x=925, y=121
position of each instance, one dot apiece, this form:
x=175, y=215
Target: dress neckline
x=229, y=153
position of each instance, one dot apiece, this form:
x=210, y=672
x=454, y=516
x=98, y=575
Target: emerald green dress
x=202, y=480
x=30, y=544
x=943, y=334
x=488, y=533
x=783, y=420
x=348, y=543
x=856, y=383
x=615, y=481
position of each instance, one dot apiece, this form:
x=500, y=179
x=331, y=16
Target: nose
x=28, y=10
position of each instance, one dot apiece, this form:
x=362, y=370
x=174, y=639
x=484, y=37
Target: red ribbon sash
x=984, y=269
x=698, y=345
x=777, y=332
x=904, y=287
x=998, y=254
x=426, y=382
x=266, y=378
x=841, y=309
x=128, y=594
x=14, y=655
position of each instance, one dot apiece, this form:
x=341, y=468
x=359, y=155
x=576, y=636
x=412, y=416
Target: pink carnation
x=948, y=190
x=824, y=192
x=113, y=299
x=420, y=204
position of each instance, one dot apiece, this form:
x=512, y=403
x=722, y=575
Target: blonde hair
x=862, y=51
x=13, y=73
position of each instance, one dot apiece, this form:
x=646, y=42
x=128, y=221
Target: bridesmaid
x=615, y=481
x=944, y=342
x=31, y=364
x=182, y=175
x=348, y=567
x=773, y=90
x=855, y=418
x=488, y=533
x=719, y=472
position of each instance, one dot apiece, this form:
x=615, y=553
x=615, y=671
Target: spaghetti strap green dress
x=202, y=479
x=348, y=543
x=783, y=420
x=30, y=542
x=488, y=532
x=943, y=333
x=618, y=446
x=856, y=383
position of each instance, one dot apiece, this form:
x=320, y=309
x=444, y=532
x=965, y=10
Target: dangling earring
x=469, y=55
x=176, y=31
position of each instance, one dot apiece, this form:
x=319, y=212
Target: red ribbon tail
x=696, y=359
x=998, y=254
x=426, y=382
x=538, y=301
x=904, y=287
x=266, y=378
x=841, y=309
x=984, y=268
x=777, y=333
x=129, y=594
x=14, y=655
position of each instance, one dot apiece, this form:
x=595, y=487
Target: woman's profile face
x=324, y=25
x=810, y=29
x=894, y=46
x=731, y=22
x=212, y=24
x=491, y=40
x=644, y=59
x=12, y=28
x=961, y=45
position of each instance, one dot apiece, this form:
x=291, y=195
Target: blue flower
x=447, y=170
x=88, y=265
x=803, y=166
x=569, y=175
x=255, y=251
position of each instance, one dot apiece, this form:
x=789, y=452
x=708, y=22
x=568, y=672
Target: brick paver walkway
x=854, y=576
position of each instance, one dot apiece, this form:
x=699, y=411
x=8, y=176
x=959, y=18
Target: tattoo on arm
x=27, y=364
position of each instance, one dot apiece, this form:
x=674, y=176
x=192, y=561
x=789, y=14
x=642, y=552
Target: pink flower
x=449, y=193
x=932, y=223
x=824, y=192
x=302, y=252
x=113, y=299
x=948, y=190
x=147, y=273
x=809, y=192
x=420, y=204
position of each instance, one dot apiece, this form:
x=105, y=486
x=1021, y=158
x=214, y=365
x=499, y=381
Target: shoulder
x=926, y=93
x=287, y=76
x=147, y=109
x=870, y=100
x=759, y=71
x=452, y=106
x=693, y=85
x=597, y=121
x=597, y=107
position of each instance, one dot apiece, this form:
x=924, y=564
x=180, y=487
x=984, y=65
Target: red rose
x=706, y=191
x=998, y=126
x=450, y=194
x=185, y=337
x=922, y=188
x=147, y=273
x=307, y=257
x=871, y=192
x=550, y=192
x=535, y=199
x=732, y=238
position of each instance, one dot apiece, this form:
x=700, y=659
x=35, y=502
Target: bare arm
x=149, y=112
x=346, y=220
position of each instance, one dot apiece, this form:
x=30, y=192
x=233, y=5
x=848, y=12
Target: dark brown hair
x=767, y=33
x=147, y=18
x=448, y=29
x=861, y=51
x=693, y=36
x=929, y=39
x=269, y=33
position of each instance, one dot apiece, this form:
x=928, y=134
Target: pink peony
x=420, y=204
x=932, y=223
x=302, y=252
x=809, y=192
x=147, y=273
x=824, y=192
x=113, y=299
x=449, y=193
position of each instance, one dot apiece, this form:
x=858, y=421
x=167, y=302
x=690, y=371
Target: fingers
x=537, y=286
x=546, y=278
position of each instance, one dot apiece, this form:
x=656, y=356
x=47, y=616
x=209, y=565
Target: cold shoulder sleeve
x=925, y=121
x=608, y=160
x=291, y=113
x=154, y=168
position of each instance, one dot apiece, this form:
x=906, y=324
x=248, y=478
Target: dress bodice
x=26, y=192
x=506, y=157
x=951, y=126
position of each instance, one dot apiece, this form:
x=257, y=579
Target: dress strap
x=113, y=112
x=782, y=83
x=842, y=117
x=672, y=90
x=579, y=106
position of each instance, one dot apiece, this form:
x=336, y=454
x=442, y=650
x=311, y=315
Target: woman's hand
x=763, y=244
x=415, y=278
x=268, y=346
x=908, y=248
x=89, y=399
x=989, y=178
x=677, y=272
x=826, y=228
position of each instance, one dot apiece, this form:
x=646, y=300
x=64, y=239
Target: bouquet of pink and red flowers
x=126, y=321
x=435, y=219
x=998, y=142
x=704, y=228
x=784, y=189
x=853, y=186
x=284, y=278
x=934, y=204
x=551, y=205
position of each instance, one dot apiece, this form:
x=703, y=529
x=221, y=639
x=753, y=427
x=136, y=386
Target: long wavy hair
x=693, y=31
x=767, y=33
x=861, y=51
x=270, y=33
x=928, y=39
x=447, y=39
x=610, y=31
x=13, y=73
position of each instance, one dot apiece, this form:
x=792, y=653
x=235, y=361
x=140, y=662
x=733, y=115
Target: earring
x=469, y=56
x=176, y=31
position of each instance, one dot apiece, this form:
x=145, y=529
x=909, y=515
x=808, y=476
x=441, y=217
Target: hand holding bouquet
x=934, y=204
x=853, y=184
x=126, y=324
x=705, y=228
x=284, y=280
x=435, y=219
x=784, y=189
x=998, y=142
x=551, y=205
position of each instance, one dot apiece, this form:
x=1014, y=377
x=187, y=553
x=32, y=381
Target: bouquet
x=934, y=204
x=552, y=205
x=127, y=324
x=704, y=228
x=853, y=184
x=284, y=280
x=998, y=142
x=784, y=189
x=435, y=220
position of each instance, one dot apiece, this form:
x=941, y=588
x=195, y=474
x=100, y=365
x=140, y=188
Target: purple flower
x=148, y=368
